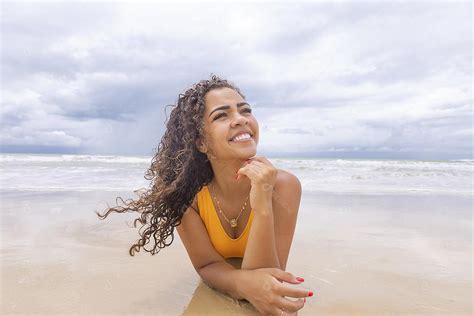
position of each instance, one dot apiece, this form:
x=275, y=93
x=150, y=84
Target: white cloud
x=17, y=136
x=324, y=76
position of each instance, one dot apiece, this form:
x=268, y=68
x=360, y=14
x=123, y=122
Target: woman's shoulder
x=199, y=196
x=286, y=194
x=194, y=204
x=286, y=180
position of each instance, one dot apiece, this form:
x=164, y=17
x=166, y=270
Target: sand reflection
x=207, y=301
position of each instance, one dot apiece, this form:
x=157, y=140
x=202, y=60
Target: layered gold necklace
x=233, y=221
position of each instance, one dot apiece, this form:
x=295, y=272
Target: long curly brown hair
x=178, y=170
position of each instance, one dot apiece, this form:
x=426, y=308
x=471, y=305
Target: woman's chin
x=245, y=150
x=246, y=154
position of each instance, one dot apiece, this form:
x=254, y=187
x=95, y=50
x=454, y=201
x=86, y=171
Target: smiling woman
x=224, y=201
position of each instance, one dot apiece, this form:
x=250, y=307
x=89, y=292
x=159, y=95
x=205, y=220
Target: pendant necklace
x=233, y=221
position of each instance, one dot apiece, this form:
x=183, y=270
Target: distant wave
x=118, y=173
x=463, y=160
x=74, y=158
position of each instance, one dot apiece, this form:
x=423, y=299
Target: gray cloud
x=359, y=78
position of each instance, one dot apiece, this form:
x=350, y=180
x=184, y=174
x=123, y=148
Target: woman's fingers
x=248, y=170
x=261, y=159
x=255, y=162
x=280, y=297
x=285, y=276
x=283, y=290
x=257, y=168
x=288, y=277
x=289, y=306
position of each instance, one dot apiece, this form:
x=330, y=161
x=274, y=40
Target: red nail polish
x=299, y=279
x=310, y=293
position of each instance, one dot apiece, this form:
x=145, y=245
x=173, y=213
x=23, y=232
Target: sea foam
x=126, y=173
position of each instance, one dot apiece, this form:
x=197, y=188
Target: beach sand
x=360, y=254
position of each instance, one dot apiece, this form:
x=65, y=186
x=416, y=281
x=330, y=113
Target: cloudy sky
x=326, y=79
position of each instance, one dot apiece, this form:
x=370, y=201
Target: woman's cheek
x=256, y=131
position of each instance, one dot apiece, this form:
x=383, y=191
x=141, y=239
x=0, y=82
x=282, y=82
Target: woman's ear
x=201, y=146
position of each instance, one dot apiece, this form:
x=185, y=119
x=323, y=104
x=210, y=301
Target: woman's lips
x=242, y=141
x=242, y=135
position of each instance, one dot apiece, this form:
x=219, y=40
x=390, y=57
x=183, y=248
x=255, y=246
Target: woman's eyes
x=219, y=116
x=248, y=110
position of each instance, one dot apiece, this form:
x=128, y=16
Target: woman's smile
x=245, y=138
x=242, y=137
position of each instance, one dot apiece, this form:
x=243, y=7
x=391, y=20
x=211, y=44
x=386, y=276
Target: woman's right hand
x=265, y=290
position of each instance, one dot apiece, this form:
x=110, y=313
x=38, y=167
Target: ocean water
x=398, y=239
x=50, y=172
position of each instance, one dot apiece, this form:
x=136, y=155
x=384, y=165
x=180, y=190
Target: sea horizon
x=84, y=172
x=468, y=159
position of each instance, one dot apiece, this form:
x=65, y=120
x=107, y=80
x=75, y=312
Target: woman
x=224, y=201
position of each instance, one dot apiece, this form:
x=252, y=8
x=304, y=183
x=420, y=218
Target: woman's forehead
x=222, y=96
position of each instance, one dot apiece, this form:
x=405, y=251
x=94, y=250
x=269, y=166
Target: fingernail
x=299, y=279
x=310, y=293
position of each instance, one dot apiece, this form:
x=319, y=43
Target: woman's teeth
x=241, y=137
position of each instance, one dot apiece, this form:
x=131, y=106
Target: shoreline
x=360, y=254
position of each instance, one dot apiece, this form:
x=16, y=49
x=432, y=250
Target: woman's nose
x=240, y=120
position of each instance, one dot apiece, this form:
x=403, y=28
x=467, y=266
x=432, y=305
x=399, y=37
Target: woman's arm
x=223, y=277
x=274, y=225
x=209, y=264
x=263, y=288
x=260, y=251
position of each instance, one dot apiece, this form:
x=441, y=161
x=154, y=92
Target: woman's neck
x=225, y=182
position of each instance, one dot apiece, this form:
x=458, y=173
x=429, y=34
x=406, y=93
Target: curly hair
x=178, y=170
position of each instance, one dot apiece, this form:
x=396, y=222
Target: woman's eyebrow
x=226, y=107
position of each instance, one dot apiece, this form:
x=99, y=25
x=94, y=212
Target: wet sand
x=360, y=254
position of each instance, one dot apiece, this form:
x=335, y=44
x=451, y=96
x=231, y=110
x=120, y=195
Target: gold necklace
x=233, y=221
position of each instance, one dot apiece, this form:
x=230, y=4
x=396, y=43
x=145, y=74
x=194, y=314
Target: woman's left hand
x=262, y=177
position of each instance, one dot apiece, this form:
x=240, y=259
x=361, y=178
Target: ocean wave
x=306, y=190
x=75, y=158
x=110, y=173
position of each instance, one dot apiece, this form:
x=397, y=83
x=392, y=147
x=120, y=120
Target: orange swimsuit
x=225, y=245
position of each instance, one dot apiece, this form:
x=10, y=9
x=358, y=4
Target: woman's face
x=226, y=116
